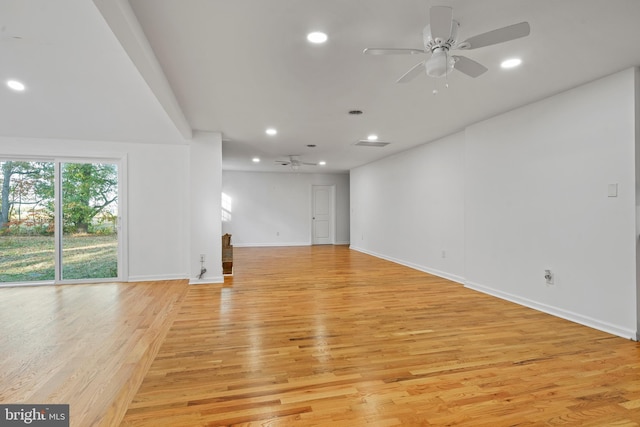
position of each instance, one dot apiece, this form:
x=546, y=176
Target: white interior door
x=323, y=215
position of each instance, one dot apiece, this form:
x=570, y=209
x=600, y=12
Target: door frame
x=122, y=256
x=332, y=213
x=123, y=251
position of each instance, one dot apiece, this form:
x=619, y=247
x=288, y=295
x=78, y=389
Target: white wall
x=205, y=186
x=531, y=186
x=536, y=198
x=158, y=209
x=409, y=208
x=274, y=209
x=158, y=199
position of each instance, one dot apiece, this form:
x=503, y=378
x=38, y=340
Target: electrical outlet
x=201, y=257
x=548, y=276
x=444, y=254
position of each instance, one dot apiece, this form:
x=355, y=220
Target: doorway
x=323, y=215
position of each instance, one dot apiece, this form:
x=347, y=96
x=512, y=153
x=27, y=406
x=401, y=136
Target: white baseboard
x=544, y=308
x=425, y=269
x=555, y=311
x=275, y=245
x=208, y=281
x=269, y=245
x=156, y=278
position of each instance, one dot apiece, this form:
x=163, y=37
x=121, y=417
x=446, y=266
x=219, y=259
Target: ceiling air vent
x=367, y=143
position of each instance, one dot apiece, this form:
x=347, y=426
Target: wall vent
x=367, y=143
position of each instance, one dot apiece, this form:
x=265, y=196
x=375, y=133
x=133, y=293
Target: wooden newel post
x=227, y=254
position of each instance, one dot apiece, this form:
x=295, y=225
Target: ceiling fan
x=440, y=36
x=294, y=162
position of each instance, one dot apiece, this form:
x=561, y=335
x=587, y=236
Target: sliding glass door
x=89, y=221
x=27, y=213
x=59, y=221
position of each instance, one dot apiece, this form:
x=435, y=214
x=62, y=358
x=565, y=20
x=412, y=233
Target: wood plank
x=327, y=336
x=85, y=345
x=319, y=336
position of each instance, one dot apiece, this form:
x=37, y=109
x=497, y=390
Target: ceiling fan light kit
x=440, y=36
x=440, y=64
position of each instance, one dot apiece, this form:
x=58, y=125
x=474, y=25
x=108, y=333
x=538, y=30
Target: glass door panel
x=27, y=221
x=89, y=240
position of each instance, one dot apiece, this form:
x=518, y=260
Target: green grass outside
x=31, y=258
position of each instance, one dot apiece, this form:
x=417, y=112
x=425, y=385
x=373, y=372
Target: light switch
x=613, y=190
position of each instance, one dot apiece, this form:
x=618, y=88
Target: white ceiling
x=80, y=84
x=150, y=71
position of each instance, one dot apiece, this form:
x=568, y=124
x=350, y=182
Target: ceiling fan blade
x=500, y=35
x=391, y=51
x=309, y=164
x=440, y=19
x=412, y=73
x=468, y=66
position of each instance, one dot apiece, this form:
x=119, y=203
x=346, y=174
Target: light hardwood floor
x=88, y=346
x=328, y=336
x=305, y=336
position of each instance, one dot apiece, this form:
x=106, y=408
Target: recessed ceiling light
x=317, y=37
x=256, y=160
x=15, y=85
x=511, y=63
x=322, y=163
x=271, y=131
x=372, y=137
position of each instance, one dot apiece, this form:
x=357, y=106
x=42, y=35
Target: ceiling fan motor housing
x=430, y=43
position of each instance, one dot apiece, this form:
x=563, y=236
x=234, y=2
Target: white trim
x=120, y=160
x=150, y=278
x=277, y=245
x=425, y=269
x=123, y=217
x=58, y=222
x=21, y=284
x=210, y=281
x=270, y=245
x=555, y=311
